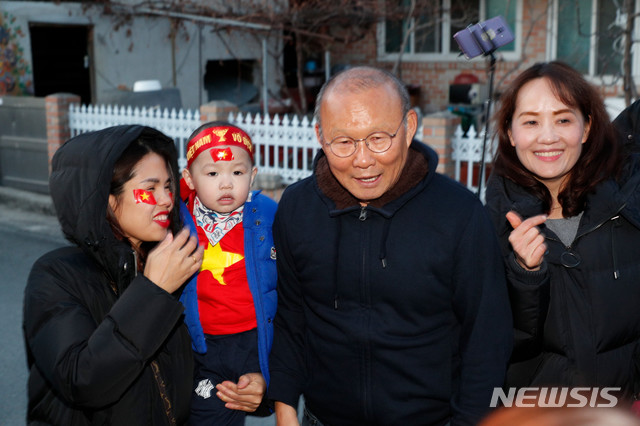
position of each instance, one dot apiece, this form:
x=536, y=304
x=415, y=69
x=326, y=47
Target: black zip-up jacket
x=95, y=330
x=389, y=315
x=577, y=320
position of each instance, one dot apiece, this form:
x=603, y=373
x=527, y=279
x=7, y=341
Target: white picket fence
x=285, y=146
x=177, y=124
x=466, y=153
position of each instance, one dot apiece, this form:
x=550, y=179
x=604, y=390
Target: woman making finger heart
x=562, y=197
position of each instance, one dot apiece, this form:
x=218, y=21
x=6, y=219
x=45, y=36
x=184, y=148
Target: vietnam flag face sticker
x=144, y=196
x=221, y=154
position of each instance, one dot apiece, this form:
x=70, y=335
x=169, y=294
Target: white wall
x=142, y=50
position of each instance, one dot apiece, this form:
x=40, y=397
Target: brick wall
x=216, y=111
x=438, y=129
x=57, y=110
x=434, y=78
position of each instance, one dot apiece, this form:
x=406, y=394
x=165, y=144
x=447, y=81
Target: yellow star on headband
x=220, y=133
x=216, y=261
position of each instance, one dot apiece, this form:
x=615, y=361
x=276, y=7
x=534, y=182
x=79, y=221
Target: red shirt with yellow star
x=225, y=302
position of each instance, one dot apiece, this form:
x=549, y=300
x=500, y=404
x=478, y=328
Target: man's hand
x=246, y=395
x=527, y=241
x=285, y=415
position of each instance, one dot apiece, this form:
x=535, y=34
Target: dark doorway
x=231, y=80
x=61, y=60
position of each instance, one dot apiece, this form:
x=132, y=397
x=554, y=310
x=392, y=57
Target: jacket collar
x=609, y=199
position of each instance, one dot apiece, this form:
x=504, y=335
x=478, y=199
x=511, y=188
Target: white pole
x=265, y=93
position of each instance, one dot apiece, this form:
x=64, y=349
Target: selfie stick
x=487, y=113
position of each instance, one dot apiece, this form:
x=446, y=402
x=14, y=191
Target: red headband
x=218, y=136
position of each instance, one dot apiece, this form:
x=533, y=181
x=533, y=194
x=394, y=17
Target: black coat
x=392, y=314
x=96, y=329
x=577, y=325
x=628, y=125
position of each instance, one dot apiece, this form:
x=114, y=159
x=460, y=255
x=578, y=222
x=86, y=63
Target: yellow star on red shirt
x=216, y=261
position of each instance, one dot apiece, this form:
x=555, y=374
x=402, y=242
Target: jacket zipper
x=365, y=345
x=616, y=270
x=616, y=215
x=135, y=263
x=259, y=310
x=588, y=231
x=363, y=213
x=569, y=248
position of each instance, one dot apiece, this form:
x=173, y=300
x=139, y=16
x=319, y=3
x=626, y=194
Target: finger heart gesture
x=527, y=241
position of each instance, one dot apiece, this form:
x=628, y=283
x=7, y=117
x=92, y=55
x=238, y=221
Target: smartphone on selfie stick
x=483, y=39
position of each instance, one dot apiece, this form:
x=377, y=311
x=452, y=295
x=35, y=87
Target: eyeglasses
x=378, y=142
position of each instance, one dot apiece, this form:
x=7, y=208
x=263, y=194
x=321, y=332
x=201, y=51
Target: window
x=428, y=35
x=591, y=37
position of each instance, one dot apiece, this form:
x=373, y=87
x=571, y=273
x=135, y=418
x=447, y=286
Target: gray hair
x=359, y=79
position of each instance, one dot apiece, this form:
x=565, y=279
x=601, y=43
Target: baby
x=231, y=302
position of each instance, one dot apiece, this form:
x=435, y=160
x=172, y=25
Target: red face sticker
x=223, y=154
x=144, y=196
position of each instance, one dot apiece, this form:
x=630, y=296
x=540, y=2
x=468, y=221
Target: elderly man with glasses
x=392, y=303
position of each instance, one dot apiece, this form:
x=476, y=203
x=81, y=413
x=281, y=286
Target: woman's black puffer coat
x=577, y=320
x=104, y=344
